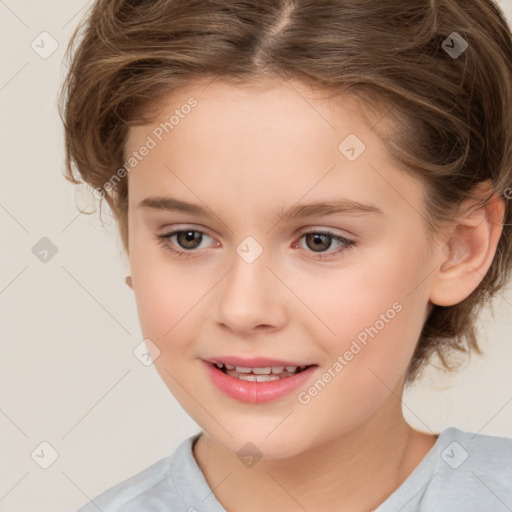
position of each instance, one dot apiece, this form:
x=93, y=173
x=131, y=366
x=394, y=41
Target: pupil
x=317, y=237
x=187, y=239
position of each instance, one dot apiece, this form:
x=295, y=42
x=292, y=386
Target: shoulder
x=472, y=469
x=463, y=471
x=151, y=490
x=475, y=451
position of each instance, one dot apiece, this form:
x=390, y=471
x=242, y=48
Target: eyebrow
x=298, y=211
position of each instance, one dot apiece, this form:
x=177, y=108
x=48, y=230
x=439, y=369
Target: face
x=248, y=272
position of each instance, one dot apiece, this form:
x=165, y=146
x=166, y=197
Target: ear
x=468, y=248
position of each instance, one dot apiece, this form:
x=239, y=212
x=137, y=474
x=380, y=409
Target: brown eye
x=189, y=239
x=319, y=244
x=184, y=243
x=318, y=241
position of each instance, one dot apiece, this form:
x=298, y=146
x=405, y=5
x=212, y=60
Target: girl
x=314, y=200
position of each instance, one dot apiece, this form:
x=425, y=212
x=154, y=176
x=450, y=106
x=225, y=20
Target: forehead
x=263, y=138
x=255, y=106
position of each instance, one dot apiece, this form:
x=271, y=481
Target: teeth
x=243, y=369
x=262, y=371
x=245, y=376
x=265, y=378
x=258, y=378
x=260, y=374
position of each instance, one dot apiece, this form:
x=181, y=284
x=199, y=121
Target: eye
x=188, y=242
x=187, y=239
x=320, y=241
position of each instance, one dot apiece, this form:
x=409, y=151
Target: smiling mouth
x=266, y=374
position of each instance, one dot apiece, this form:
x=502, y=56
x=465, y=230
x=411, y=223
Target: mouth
x=261, y=374
x=258, y=384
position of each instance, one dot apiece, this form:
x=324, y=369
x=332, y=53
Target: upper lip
x=254, y=362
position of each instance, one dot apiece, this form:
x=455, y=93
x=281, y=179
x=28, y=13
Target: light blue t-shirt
x=463, y=472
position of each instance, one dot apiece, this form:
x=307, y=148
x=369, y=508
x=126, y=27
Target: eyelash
x=164, y=238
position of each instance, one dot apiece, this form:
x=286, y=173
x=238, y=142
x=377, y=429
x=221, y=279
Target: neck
x=359, y=469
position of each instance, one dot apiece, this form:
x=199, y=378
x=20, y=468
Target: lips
x=260, y=380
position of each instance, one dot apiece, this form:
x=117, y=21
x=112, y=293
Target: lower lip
x=257, y=392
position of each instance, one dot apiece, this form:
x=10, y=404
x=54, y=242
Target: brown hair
x=450, y=114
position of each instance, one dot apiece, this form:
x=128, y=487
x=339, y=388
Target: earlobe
x=128, y=281
x=467, y=254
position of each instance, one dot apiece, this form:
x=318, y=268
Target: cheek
x=366, y=364
x=370, y=314
x=165, y=295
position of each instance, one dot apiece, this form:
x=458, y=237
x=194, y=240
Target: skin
x=246, y=153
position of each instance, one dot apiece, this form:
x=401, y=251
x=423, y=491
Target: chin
x=280, y=444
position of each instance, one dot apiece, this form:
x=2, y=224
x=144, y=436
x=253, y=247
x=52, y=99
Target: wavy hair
x=450, y=116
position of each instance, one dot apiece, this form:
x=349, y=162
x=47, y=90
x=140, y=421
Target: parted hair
x=438, y=72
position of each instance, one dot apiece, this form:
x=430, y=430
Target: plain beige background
x=69, y=325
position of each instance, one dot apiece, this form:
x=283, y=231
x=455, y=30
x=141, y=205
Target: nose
x=252, y=298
